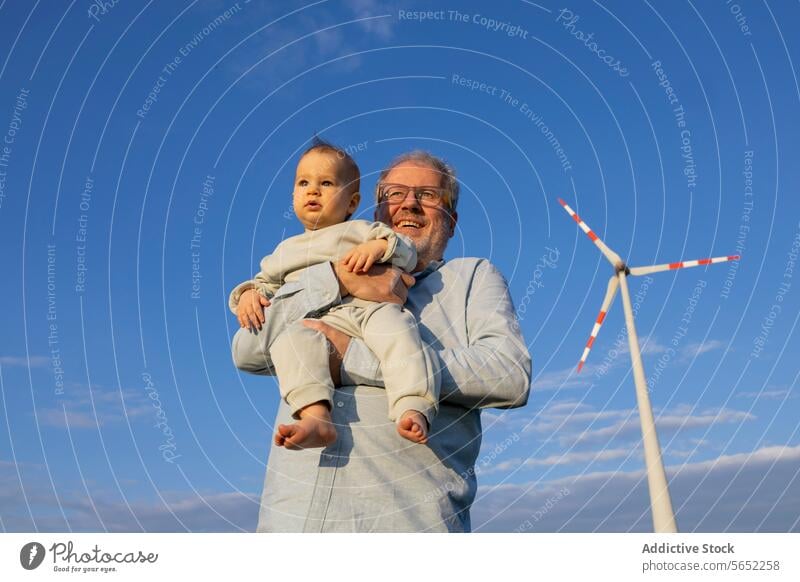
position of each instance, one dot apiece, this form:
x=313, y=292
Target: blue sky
x=669, y=126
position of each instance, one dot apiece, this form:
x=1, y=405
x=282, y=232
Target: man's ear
x=453, y=220
x=355, y=200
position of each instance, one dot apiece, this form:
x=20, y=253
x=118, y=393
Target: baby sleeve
x=262, y=282
x=400, y=251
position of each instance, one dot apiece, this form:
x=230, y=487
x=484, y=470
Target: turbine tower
x=660, y=502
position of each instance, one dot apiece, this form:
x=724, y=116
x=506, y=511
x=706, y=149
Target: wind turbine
x=660, y=502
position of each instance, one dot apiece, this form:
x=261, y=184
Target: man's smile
x=407, y=222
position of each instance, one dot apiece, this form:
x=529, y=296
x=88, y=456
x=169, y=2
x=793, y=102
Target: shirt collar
x=432, y=266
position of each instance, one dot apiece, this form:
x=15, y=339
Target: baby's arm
x=383, y=245
x=361, y=257
x=248, y=299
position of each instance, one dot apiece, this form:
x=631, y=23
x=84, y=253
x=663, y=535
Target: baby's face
x=322, y=196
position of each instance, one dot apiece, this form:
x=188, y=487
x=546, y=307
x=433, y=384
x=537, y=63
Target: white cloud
x=369, y=23
x=744, y=492
x=81, y=409
x=549, y=422
x=564, y=378
x=574, y=457
x=214, y=512
x=694, y=349
x=765, y=395
x=738, y=492
x=380, y=27
x=684, y=449
x=575, y=423
x=649, y=346
x=664, y=422
x=599, y=363
x=29, y=362
x=74, y=419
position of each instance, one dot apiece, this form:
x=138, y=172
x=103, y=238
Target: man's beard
x=432, y=248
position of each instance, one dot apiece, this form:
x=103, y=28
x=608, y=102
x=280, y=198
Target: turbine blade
x=611, y=292
x=612, y=257
x=681, y=265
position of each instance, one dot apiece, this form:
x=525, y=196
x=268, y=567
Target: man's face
x=430, y=227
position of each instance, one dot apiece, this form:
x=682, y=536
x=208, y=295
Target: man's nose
x=410, y=202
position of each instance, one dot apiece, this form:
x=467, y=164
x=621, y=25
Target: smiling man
x=370, y=479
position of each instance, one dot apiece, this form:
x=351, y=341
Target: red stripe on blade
x=675, y=265
x=601, y=317
x=592, y=235
x=704, y=262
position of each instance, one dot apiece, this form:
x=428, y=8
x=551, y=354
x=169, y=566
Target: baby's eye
x=302, y=183
x=327, y=183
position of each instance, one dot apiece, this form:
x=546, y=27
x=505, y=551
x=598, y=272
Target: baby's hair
x=350, y=172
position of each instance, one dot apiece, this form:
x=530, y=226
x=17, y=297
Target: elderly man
x=370, y=479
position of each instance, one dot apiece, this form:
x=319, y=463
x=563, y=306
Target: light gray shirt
x=372, y=479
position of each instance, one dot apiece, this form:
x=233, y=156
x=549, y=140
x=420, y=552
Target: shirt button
x=340, y=404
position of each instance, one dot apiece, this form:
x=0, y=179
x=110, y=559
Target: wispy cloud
x=550, y=421
x=599, y=363
x=105, y=511
x=649, y=346
x=668, y=421
x=766, y=395
x=571, y=422
x=687, y=448
x=382, y=28
x=333, y=30
x=564, y=378
x=81, y=408
x=74, y=419
x=29, y=362
x=746, y=492
x=571, y=458
x=695, y=349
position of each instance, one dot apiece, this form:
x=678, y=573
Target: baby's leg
x=300, y=356
x=411, y=385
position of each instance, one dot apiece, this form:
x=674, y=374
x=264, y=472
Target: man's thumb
x=408, y=280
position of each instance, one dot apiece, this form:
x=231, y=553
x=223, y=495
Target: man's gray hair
x=423, y=158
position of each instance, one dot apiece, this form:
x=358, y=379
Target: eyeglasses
x=425, y=195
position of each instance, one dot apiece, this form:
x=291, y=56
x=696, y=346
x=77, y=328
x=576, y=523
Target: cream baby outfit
x=300, y=355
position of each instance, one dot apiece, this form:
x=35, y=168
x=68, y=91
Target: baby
x=326, y=194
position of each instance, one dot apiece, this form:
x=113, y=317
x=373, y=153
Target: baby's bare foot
x=314, y=429
x=413, y=426
x=306, y=433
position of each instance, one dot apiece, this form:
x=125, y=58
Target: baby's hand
x=250, y=311
x=362, y=257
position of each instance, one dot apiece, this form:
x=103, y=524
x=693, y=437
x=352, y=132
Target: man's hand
x=383, y=283
x=360, y=258
x=338, y=343
x=250, y=311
